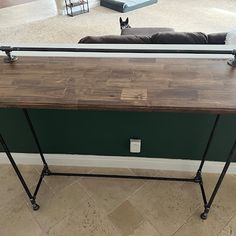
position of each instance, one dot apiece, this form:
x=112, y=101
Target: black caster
x=35, y=206
x=204, y=215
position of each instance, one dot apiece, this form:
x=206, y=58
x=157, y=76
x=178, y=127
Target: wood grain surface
x=125, y=84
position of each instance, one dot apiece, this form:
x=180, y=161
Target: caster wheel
x=35, y=207
x=204, y=215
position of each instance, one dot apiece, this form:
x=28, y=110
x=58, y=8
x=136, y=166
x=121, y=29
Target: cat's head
x=124, y=24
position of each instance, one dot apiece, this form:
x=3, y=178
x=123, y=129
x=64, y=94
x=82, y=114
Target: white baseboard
x=118, y=162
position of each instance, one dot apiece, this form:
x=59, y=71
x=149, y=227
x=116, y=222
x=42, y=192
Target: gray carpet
x=22, y=25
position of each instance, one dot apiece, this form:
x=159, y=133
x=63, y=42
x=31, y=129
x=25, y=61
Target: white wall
x=60, y=4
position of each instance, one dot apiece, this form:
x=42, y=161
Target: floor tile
x=167, y=205
x=126, y=218
x=145, y=229
x=222, y=210
x=58, y=183
x=230, y=228
x=10, y=185
x=224, y=197
x=53, y=208
x=109, y=193
x=86, y=220
x=16, y=219
x=116, y=207
x=217, y=218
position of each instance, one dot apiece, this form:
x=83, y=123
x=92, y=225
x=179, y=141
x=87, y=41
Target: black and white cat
x=124, y=24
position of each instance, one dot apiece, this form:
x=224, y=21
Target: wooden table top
x=125, y=84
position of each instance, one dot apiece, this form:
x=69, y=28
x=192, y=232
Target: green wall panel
x=171, y=135
x=224, y=138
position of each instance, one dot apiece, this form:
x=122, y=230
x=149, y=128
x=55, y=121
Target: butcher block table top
x=122, y=84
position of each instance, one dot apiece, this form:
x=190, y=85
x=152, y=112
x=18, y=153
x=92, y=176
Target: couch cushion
x=216, y=38
x=179, y=38
x=144, y=31
x=116, y=39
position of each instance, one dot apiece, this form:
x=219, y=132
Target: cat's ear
x=121, y=20
x=127, y=20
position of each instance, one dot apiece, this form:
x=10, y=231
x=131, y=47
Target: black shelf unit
x=73, y=5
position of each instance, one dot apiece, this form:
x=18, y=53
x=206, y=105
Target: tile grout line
x=35, y=220
x=147, y=219
x=75, y=181
x=100, y=208
x=133, y=193
x=65, y=215
x=91, y=195
x=234, y=214
x=109, y=212
x=187, y=220
x=142, y=185
x=54, y=194
x=144, y=216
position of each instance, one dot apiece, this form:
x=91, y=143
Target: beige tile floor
x=90, y=206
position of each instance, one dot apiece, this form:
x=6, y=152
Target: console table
x=122, y=84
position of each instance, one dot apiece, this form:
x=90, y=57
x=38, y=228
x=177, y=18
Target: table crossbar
x=47, y=172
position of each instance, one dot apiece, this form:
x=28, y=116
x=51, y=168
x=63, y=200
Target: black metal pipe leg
x=219, y=182
x=198, y=177
x=208, y=144
x=39, y=182
x=36, y=141
x=31, y=197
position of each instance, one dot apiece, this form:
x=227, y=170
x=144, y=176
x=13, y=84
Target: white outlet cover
x=135, y=145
